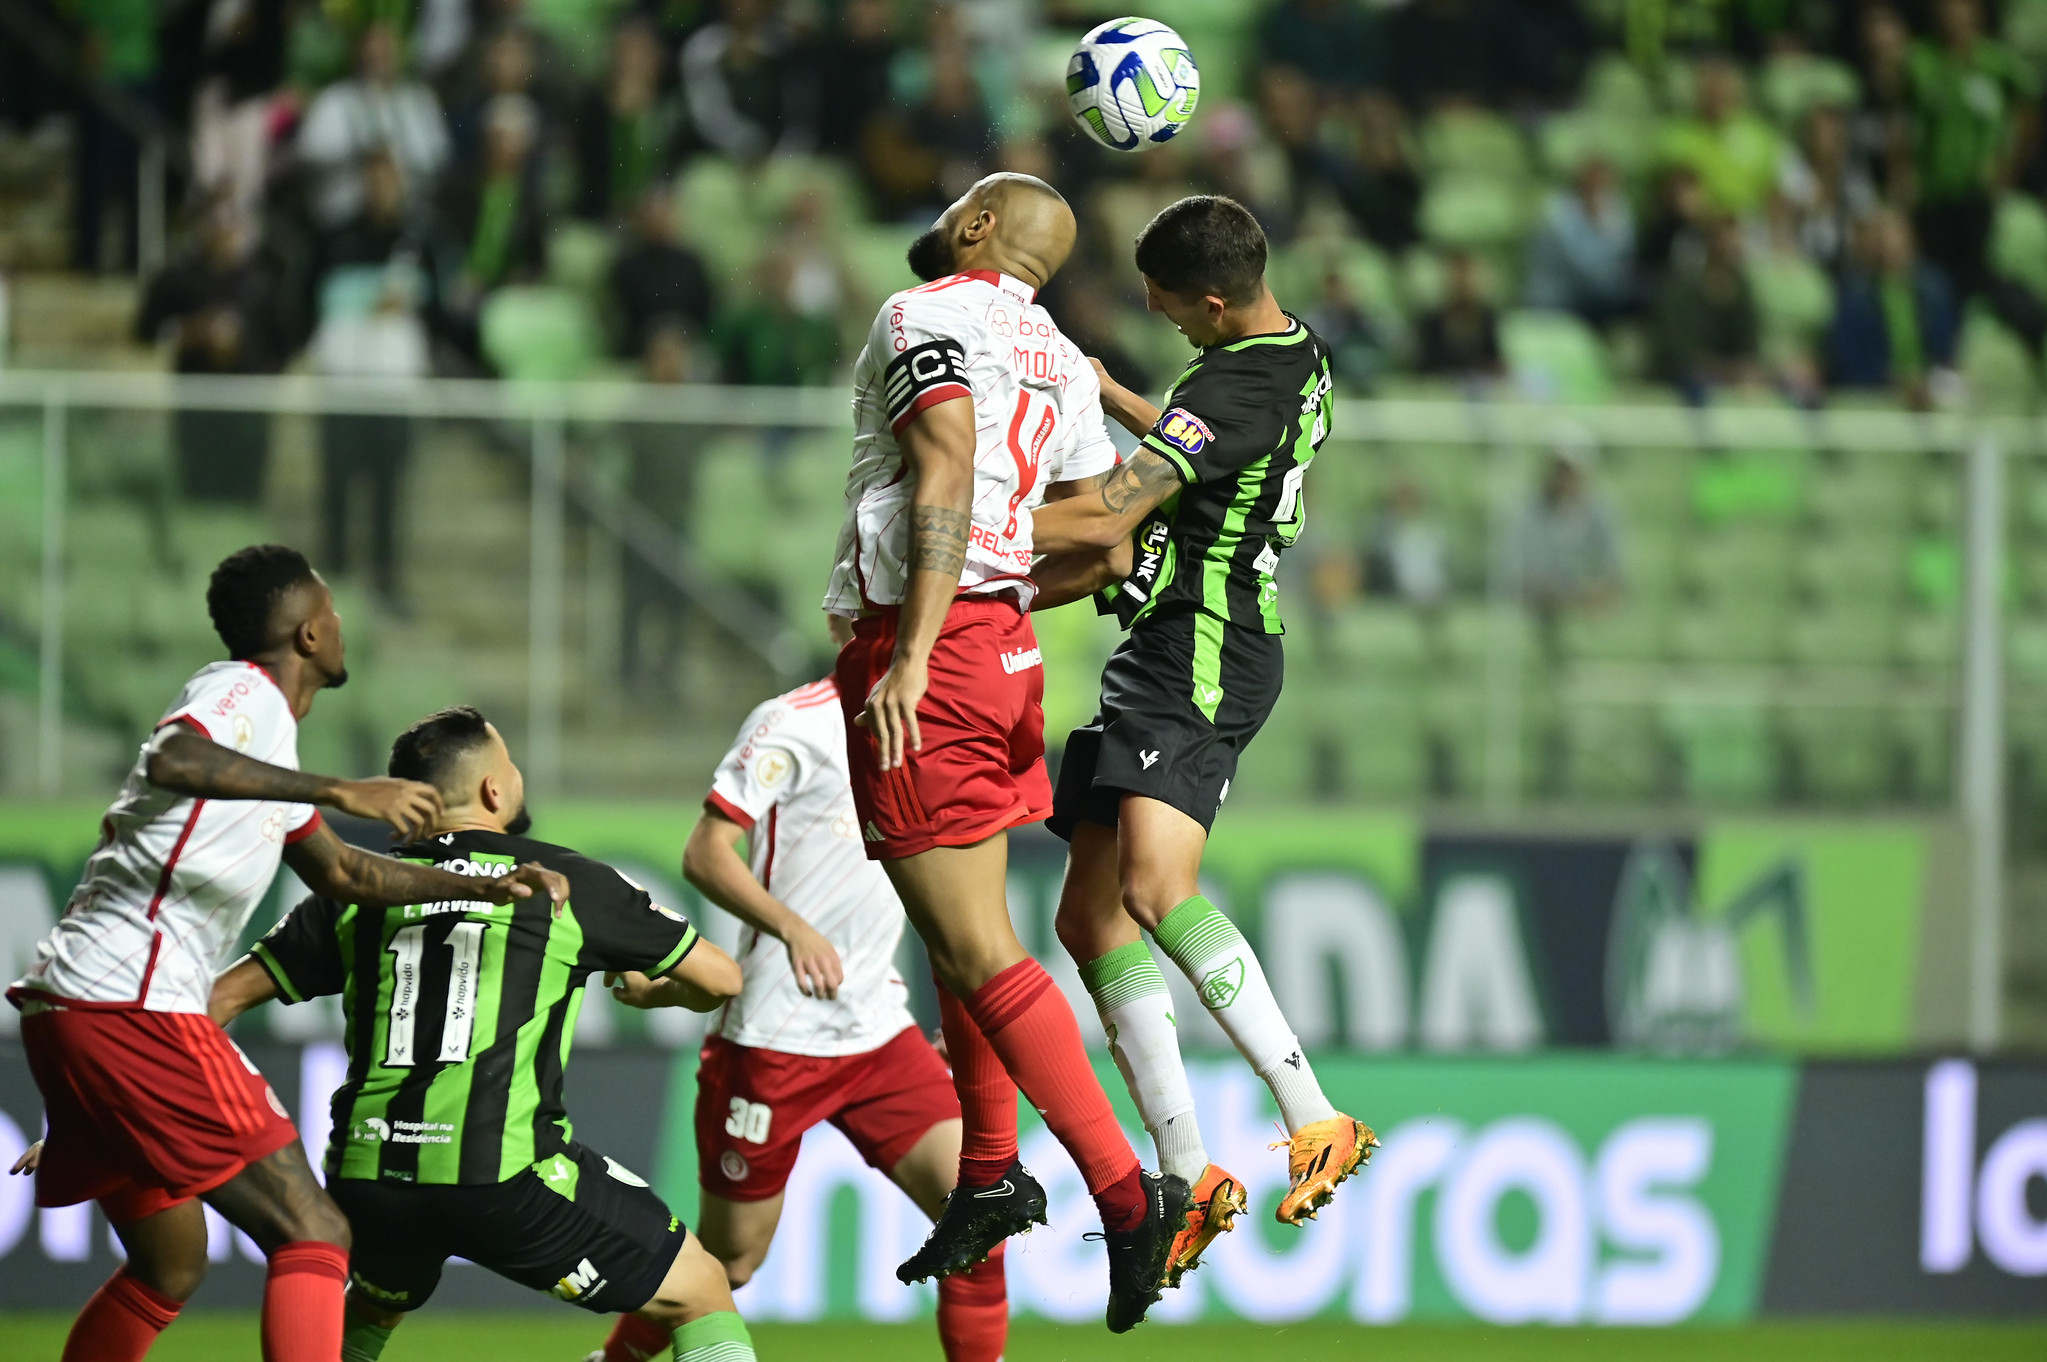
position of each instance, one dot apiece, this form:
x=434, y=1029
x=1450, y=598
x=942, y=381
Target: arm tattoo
x=189, y=764
x=1143, y=477
x=938, y=540
x=348, y=874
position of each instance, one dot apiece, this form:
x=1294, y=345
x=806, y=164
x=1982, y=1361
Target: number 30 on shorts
x=748, y=1121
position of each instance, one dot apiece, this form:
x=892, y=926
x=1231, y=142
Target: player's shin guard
x=120, y=1322
x=973, y=1312
x=1137, y=1013
x=1213, y=954
x=1030, y=1026
x=987, y=1096
x=717, y=1337
x=302, y=1302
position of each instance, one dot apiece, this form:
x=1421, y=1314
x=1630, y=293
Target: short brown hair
x=1205, y=245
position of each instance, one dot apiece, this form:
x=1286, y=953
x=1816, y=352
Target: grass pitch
x=228, y=1336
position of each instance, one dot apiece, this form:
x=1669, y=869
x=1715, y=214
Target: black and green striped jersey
x=1241, y=425
x=460, y=1014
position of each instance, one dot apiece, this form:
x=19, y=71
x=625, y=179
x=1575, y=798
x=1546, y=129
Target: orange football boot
x=1218, y=1200
x=1320, y=1155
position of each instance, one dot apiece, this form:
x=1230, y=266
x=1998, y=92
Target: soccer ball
x=1132, y=81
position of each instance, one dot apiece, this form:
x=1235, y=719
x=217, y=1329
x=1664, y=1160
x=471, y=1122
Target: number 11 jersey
x=460, y=1014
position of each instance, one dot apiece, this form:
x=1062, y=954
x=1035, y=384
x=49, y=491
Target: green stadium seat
x=1794, y=83
x=1653, y=489
x=718, y=217
x=539, y=333
x=1840, y=755
x=1831, y=569
x=2025, y=649
x=1725, y=750
x=1730, y=628
x=1381, y=637
x=1474, y=142
x=1847, y=633
x=2018, y=237
x=1474, y=211
x=1860, y=493
x=1633, y=632
x=1300, y=269
x=1933, y=570
x=1574, y=136
x=1795, y=300
x=1555, y=356
x=1615, y=85
x=731, y=529
x=2001, y=375
x=579, y=257
x=1612, y=754
x=1747, y=560
x=1930, y=639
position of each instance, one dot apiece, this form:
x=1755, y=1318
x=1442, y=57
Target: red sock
x=302, y=1302
x=634, y=1339
x=120, y=1322
x=1030, y=1026
x=987, y=1096
x=973, y=1312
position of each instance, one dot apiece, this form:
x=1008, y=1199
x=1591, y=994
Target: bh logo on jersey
x=1184, y=431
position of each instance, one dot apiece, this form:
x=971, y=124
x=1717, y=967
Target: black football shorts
x=577, y=1225
x=1181, y=700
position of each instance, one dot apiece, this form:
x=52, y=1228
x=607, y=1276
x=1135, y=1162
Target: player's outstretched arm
x=347, y=874
x=190, y=764
x=938, y=446
x=1062, y=578
x=1106, y=519
x=701, y=981
x=711, y=862
x=1124, y=407
x=239, y=987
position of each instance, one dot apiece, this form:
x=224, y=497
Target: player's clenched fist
x=407, y=806
x=891, y=713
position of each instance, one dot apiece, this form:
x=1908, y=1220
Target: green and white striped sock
x=362, y=1341
x=1213, y=954
x=717, y=1337
x=1137, y=1012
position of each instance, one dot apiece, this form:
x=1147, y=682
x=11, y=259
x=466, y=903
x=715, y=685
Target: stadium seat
x=1474, y=211
x=1475, y=142
x=1554, y=356
x=1837, y=754
x=2018, y=238
x=1860, y=493
x=1299, y=270
x=579, y=257
x=1844, y=634
x=717, y=216
x=539, y=333
x=1574, y=136
x=2001, y=375
x=1612, y=754
x=1794, y=83
x=1749, y=485
x=1855, y=570
x=1725, y=750
x=1730, y=627
x=1795, y=300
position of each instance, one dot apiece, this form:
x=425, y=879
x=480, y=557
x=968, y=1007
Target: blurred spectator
x=241, y=67
x=923, y=153
x=217, y=307
x=657, y=282
x=1123, y=207
x=1084, y=303
x=1735, y=152
x=853, y=73
x=363, y=456
x=1444, y=51
x=1407, y=550
x=1377, y=182
x=1707, y=330
x=1543, y=50
x=1566, y=550
x=1234, y=158
x=1896, y=321
x=117, y=49
x=787, y=330
x=1881, y=130
x=1675, y=231
x=1292, y=116
x=1462, y=336
x=1582, y=256
x=624, y=131
x=661, y=480
x=1973, y=96
x=1357, y=344
x=506, y=69
x=1334, y=43
x=495, y=219
x=747, y=93
x=376, y=108
x=1827, y=187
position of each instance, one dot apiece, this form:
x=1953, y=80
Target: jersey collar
x=1008, y=283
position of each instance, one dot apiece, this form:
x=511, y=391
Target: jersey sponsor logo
x=272, y=828
x=1022, y=660
x=371, y=1130
x=1147, y=758
x=921, y=369
x=846, y=826
x=584, y=1281
x=1184, y=431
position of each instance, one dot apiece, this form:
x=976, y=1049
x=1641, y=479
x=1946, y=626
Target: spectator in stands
x=1675, y=231
x=1880, y=130
x=787, y=331
x=662, y=483
x=1707, y=329
x=925, y=151
x=1235, y=158
x=625, y=131
x=1973, y=98
x=217, y=307
x=1582, y=256
x=1566, y=546
x=1460, y=338
x=495, y=218
x=853, y=73
x=1083, y=300
x=363, y=455
x=506, y=68
x=1444, y=52
x=656, y=281
x=1896, y=322
x=241, y=68
x=1827, y=187
x=378, y=107
x=747, y=91
x=1334, y=43
x=1407, y=550
x=1377, y=182
x=1358, y=349
x=118, y=51
x=1292, y=115
x=1735, y=152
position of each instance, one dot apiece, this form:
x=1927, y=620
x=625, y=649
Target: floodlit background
x=1653, y=833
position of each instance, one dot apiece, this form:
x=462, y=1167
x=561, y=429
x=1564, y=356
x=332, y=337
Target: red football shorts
x=753, y=1107
x=982, y=766
x=145, y=1108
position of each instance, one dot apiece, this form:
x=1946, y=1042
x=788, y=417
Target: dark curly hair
x=245, y=590
x=433, y=748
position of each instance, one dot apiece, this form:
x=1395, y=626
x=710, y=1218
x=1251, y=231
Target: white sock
x=1137, y=1012
x=1213, y=954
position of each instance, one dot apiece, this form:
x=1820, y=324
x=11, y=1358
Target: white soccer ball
x=1132, y=81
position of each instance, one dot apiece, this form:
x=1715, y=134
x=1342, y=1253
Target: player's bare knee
x=1147, y=902
x=176, y=1279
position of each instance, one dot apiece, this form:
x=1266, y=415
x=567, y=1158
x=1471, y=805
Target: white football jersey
x=785, y=779
x=1037, y=420
x=174, y=879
